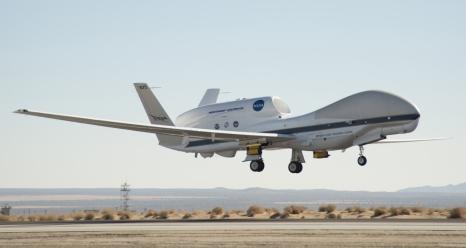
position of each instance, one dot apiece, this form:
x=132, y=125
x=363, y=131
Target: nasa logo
x=258, y=105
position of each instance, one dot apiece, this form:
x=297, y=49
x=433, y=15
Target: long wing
x=406, y=141
x=162, y=129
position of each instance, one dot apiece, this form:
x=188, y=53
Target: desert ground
x=294, y=226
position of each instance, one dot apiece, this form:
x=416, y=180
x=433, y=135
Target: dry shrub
x=187, y=216
x=405, y=211
x=61, y=217
x=124, y=215
x=78, y=216
x=151, y=213
x=356, y=209
x=457, y=213
x=331, y=216
x=379, y=212
x=285, y=216
x=226, y=216
x=163, y=215
x=329, y=208
x=394, y=211
x=271, y=210
x=217, y=211
x=108, y=214
x=254, y=209
x=89, y=216
x=4, y=217
x=418, y=209
x=275, y=215
x=294, y=209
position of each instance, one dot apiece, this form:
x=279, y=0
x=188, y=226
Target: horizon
x=249, y=188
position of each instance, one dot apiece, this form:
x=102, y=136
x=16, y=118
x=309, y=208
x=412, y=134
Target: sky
x=81, y=58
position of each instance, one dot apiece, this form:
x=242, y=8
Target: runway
x=234, y=233
x=239, y=225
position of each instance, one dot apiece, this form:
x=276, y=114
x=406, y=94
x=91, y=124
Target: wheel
x=362, y=160
x=295, y=167
x=262, y=165
x=257, y=165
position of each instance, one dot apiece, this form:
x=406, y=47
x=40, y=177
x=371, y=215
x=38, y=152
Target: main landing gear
x=297, y=160
x=362, y=160
x=257, y=165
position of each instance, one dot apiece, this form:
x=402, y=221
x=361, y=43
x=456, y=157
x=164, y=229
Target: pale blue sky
x=81, y=58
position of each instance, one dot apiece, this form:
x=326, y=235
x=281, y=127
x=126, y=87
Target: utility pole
x=124, y=197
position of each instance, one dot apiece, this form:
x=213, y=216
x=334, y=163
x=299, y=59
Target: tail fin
x=156, y=113
x=210, y=97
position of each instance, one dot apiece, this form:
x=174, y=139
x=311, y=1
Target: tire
x=257, y=165
x=261, y=166
x=362, y=160
x=300, y=168
x=295, y=167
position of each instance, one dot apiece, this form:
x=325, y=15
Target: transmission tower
x=124, y=196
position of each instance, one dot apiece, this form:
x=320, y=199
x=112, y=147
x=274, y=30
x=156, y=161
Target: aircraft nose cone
x=415, y=111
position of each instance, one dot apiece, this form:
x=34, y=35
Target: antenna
x=124, y=196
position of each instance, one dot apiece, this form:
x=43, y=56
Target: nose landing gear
x=295, y=167
x=362, y=161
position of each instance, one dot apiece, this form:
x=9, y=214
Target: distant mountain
x=458, y=188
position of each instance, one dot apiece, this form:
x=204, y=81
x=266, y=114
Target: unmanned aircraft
x=263, y=123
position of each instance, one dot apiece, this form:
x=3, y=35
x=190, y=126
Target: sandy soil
x=238, y=238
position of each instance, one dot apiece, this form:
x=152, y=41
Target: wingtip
x=20, y=111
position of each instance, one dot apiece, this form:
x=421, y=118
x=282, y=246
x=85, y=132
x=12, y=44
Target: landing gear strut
x=257, y=165
x=362, y=160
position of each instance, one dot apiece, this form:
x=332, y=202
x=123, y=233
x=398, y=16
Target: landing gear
x=257, y=165
x=297, y=160
x=362, y=160
x=295, y=167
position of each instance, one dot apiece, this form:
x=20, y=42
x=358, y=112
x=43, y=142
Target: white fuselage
x=359, y=119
